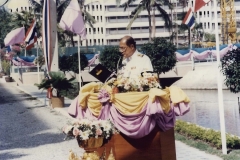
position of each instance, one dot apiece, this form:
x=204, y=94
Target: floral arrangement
x=142, y=83
x=85, y=129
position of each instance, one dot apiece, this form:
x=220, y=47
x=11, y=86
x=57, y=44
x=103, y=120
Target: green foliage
x=57, y=82
x=207, y=135
x=70, y=63
x=5, y=18
x=6, y=65
x=40, y=60
x=231, y=69
x=209, y=37
x=109, y=57
x=162, y=54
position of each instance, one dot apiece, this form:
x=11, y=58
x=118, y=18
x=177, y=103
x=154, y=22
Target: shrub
x=207, y=135
x=161, y=53
x=70, y=63
x=109, y=57
x=231, y=69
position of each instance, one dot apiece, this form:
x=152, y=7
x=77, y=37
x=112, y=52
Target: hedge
x=209, y=136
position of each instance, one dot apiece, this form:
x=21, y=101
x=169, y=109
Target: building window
x=89, y=30
x=102, y=30
x=100, y=7
x=97, y=7
x=93, y=7
x=21, y=8
x=94, y=30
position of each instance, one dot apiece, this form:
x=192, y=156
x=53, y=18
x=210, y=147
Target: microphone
x=122, y=65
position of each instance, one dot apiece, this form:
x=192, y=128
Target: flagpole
x=190, y=35
x=79, y=64
x=219, y=78
x=38, y=65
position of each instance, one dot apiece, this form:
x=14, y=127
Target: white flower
x=85, y=121
x=84, y=135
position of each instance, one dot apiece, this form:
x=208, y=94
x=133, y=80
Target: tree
x=148, y=5
x=25, y=18
x=63, y=36
x=70, y=63
x=161, y=53
x=110, y=57
x=230, y=67
x=5, y=18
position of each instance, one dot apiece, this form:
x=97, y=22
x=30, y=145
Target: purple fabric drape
x=202, y=55
x=134, y=125
x=222, y=52
x=184, y=57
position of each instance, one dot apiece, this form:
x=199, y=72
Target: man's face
x=126, y=50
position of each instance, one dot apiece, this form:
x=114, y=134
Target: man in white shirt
x=133, y=63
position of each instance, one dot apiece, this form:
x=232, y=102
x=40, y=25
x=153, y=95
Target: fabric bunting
x=189, y=19
x=199, y=4
x=31, y=36
x=72, y=19
x=46, y=35
x=15, y=36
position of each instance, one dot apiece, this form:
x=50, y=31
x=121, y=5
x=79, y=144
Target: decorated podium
x=145, y=120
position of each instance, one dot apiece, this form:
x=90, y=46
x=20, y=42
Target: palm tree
x=149, y=5
x=25, y=18
x=61, y=6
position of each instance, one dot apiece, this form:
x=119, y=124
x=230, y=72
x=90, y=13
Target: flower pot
x=8, y=79
x=57, y=102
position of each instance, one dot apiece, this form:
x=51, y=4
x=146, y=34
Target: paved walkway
x=183, y=151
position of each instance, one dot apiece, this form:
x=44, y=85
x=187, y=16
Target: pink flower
x=99, y=132
x=76, y=131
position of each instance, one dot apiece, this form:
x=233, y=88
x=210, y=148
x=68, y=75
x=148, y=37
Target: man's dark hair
x=129, y=41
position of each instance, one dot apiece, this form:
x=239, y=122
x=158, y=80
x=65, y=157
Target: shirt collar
x=133, y=55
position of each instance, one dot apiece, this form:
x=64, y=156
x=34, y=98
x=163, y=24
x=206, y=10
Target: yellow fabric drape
x=87, y=98
x=177, y=95
x=131, y=102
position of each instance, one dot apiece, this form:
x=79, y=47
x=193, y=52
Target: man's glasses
x=122, y=49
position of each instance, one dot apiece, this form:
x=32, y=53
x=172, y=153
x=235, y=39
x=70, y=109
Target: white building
x=112, y=21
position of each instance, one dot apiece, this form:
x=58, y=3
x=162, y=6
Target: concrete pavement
x=183, y=151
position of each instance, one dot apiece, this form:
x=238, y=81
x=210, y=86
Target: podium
x=141, y=116
x=155, y=146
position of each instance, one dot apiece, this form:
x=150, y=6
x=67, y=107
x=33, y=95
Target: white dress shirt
x=135, y=65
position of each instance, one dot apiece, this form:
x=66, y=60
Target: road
x=29, y=130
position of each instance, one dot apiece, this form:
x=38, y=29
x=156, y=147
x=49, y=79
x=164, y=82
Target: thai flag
x=200, y=3
x=8, y=49
x=31, y=36
x=46, y=35
x=189, y=19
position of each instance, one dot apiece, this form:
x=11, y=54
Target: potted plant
x=59, y=87
x=6, y=65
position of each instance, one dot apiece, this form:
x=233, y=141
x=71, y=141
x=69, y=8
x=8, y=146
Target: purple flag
x=15, y=36
x=72, y=19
